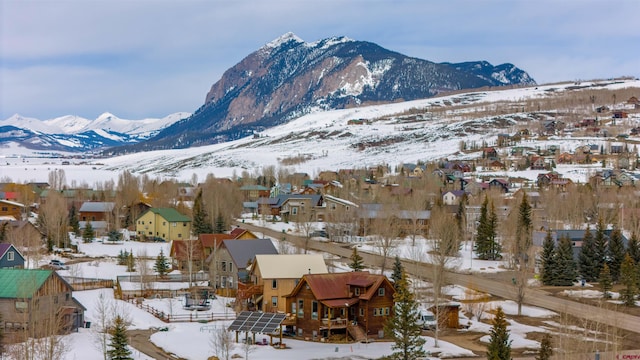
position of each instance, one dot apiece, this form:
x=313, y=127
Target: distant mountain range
x=75, y=134
x=283, y=80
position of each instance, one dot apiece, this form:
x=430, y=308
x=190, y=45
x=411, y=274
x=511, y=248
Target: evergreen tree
x=546, y=348
x=200, y=223
x=357, y=263
x=486, y=246
x=523, y=232
x=123, y=256
x=162, y=264
x=114, y=236
x=499, y=347
x=628, y=278
x=74, y=223
x=131, y=262
x=605, y=281
x=88, y=234
x=547, y=260
x=586, y=259
x=220, y=225
x=633, y=248
x=616, y=253
x=600, y=247
x=402, y=327
x=398, y=269
x=461, y=216
x=566, y=269
x=119, y=343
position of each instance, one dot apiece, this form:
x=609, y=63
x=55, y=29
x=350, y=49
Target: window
x=223, y=282
x=4, y=208
x=356, y=291
x=174, y=224
x=294, y=211
x=230, y=267
x=333, y=207
x=224, y=266
x=314, y=310
x=67, y=296
x=179, y=235
x=10, y=256
x=293, y=307
x=375, y=311
x=361, y=311
x=381, y=291
x=164, y=223
x=300, y=308
x=274, y=284
x=274, y=301
x=386, y=311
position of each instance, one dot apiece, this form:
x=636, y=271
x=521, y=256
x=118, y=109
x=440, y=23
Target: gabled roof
x=244, y=251
x=180, y=249
x=12, y=203
x=22, y=283
x=4, y=248
x=254, y=188
x=169, y=214
x=330, y=287
x=213, y=240
x=290, y=266
x=238, y=232
x=96, y=206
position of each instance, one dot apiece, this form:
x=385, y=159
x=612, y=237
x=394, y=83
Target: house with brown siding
x=11, y=209
x=354, y=303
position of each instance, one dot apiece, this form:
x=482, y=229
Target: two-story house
x=11, y=210
x=358, y=303
x=163, y=223
x=276, y=276
x=38, y=302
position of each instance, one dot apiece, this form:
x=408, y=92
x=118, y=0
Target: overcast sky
x=144, y=58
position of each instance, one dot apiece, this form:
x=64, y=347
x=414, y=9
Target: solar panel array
x=257, y=322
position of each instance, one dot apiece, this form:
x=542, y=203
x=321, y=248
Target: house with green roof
x=37, y=303
x=163, y=224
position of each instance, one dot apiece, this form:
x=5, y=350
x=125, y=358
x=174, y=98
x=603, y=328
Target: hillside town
x=254, y=239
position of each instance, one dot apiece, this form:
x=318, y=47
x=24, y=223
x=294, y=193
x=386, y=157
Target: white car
x=57, y=265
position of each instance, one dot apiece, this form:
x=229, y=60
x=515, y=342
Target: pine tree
x=131, y=262
x=123, y=256
x=523, y=232
x=88, y=234
x=398, y=269
x=605, y=281
x=633, y=248
x=628, y=278
x=616, y=253
x=114, y=236
x=486, y=246
x=547, y=260
x=357, y=263
x=74, y=223
x=546, y=348
x=600, y=247
x=162, y=264
x=119, y=343
x=499, y=347
x=220, y=225
x=586, y=259
x=566, y=269
x=200, y=223
x=402, y=327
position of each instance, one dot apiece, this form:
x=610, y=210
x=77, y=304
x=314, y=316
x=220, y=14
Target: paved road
x=139, y=340
x=492, y=284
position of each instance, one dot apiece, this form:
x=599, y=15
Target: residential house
x=565, y=158
x=276, y=281
x=187, y=255
x=620, y=114
x=501, y=184
x=37, y=302
x=489, y=153
x=575, y=236
x=537, y=163
x=163, y=223
x=474, y=187
x=10, y=257
x=373, y=217
x=254, y=192
x=11, y=210
x=301, y=208
x=328, y=175
x=452, y=197
x=352, y=303
x=229, y=265
x=96, y=211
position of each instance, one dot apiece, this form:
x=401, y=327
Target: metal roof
x=21, y=283
x=257, y=322
x=290, y=266
x=94, y=206
x=243, y=251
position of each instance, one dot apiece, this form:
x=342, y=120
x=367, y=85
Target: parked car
x=58, y=265
x=319, y=233
x=427, y=320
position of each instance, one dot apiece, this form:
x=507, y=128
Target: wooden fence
x=194, y=316
x=80, y=283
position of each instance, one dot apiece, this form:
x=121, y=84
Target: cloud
x=150, y=58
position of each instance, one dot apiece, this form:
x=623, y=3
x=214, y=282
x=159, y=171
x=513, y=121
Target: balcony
x=337, y=323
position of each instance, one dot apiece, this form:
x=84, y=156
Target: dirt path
x=140, y=341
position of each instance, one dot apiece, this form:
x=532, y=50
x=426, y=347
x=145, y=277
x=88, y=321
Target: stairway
x=357, y=332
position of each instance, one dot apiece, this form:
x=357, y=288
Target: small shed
x=448, y=315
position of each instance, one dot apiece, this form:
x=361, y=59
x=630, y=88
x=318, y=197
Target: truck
x=427, y=320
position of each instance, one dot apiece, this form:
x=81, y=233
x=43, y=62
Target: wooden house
x=11, y=210
x=277, y=275
x=353, y=303
x=36, y=303
x=96, y=211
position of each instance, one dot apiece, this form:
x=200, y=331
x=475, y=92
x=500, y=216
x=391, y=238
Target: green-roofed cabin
x=37, y=303
x=163, y=224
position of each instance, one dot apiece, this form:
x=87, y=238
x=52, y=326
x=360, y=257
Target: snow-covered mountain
x=76, y=134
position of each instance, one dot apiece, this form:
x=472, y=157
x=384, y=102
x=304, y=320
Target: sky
x=147, y=59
